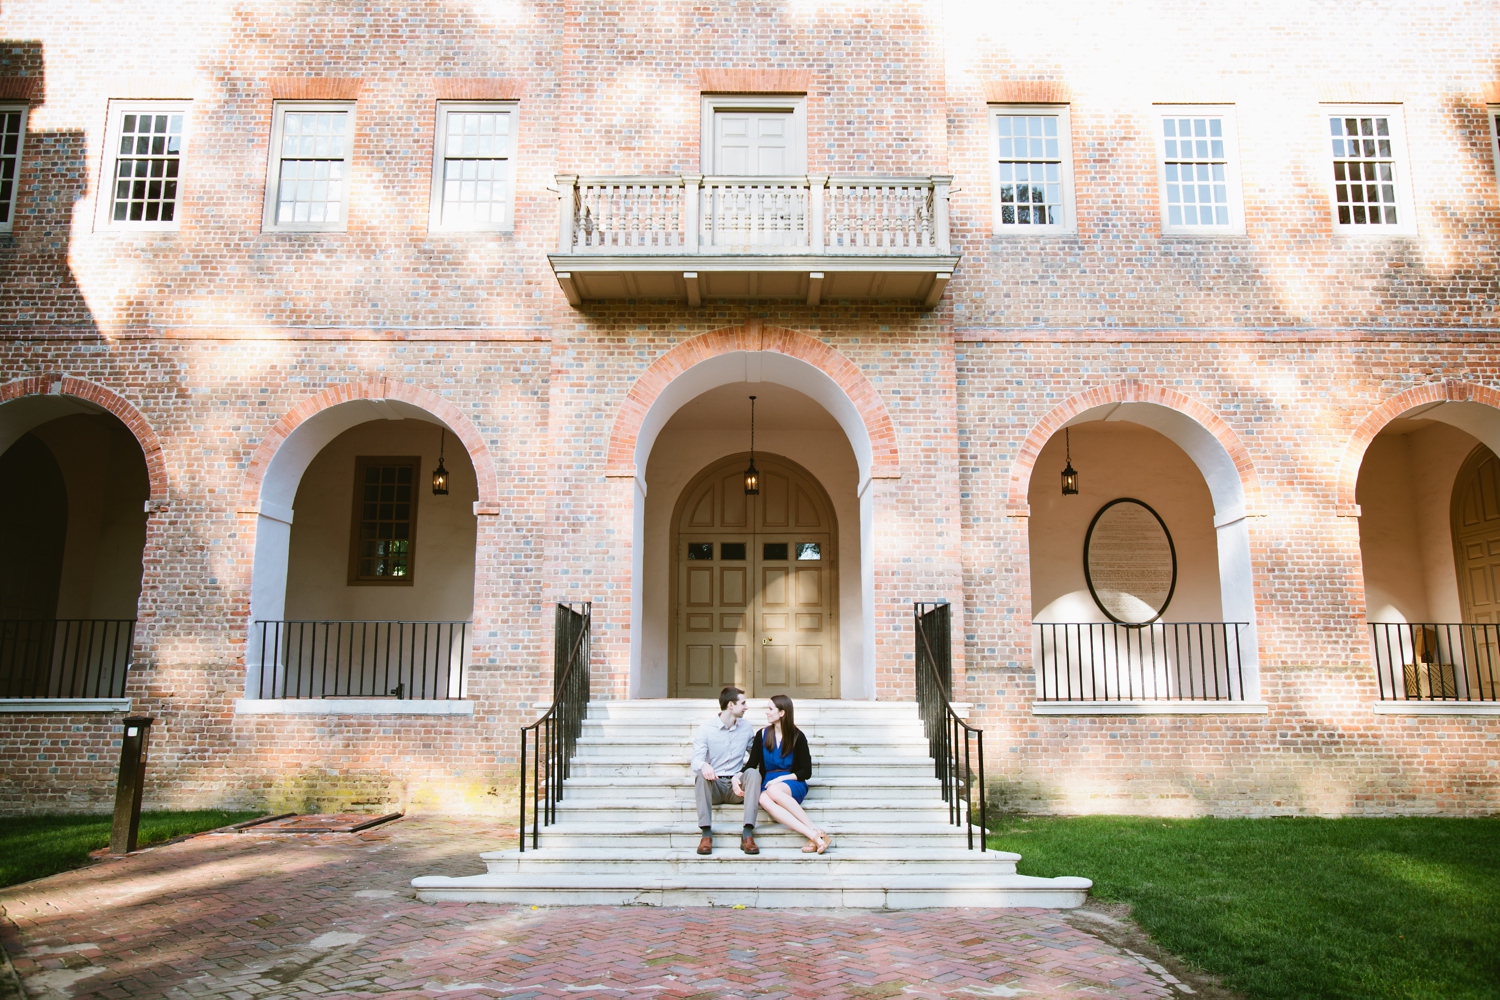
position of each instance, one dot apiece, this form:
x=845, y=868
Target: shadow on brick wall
x=37, y=284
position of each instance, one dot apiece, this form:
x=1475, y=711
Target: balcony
x=813, y=239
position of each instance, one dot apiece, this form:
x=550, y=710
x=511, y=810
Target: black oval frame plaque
x=1088, y=575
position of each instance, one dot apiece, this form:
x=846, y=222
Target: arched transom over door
x=755, y=584
x=1476, y=537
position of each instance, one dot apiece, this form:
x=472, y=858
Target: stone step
x=669, y=810
x=684, y=836
x=727, y=886
x=839, y=859
x=843, y=731
x=624, y=765
x=704, y=708
x=623, y=788
x=654, y=748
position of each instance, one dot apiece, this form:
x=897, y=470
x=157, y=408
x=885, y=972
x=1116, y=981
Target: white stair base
x=626, y=831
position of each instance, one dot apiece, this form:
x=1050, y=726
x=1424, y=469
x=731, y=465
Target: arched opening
x=363, y=584
x=693, y=463
x=73, y=490
x=754, y=593
x=1429, y=533
x=1140, y=582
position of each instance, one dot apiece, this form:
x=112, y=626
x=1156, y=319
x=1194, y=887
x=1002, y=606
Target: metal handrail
x=943, y=726
x=65, y=657
x=1437, y=661
x=555, y=734
x=412, y=660
x=1156, y=661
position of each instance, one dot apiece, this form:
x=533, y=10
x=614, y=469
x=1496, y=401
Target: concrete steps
x=626, y=829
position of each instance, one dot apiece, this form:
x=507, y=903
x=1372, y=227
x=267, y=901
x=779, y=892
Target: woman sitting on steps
x=780, y=753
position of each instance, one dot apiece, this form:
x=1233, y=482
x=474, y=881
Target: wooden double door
x=755, y=584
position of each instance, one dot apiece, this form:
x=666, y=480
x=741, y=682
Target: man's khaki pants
x=711, y=793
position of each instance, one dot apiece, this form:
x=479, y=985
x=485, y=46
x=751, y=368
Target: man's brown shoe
x=706, y=845
x=747, y=844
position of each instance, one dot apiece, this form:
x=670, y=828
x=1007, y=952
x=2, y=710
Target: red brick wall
x=1291, y=335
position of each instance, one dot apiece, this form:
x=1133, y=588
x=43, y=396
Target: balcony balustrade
x=693, y=237
x=411, y=660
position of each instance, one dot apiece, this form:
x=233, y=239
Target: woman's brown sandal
x=824, y=842
x=812, y=847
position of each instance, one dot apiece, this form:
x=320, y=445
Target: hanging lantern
x=440, y=474
x=752, y=474
x=1069, y=474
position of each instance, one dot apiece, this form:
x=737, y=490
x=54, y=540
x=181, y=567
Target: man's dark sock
x=749, y=829
x=707, y=830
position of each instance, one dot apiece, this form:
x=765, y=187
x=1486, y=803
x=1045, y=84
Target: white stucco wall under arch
x=278, y=494
x=1236, y=588
x=752, y=367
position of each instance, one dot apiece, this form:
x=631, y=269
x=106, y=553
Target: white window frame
x=1225, y=113
x=796, y=104
x=1406, y=215
x=108, y=167
x=15, y=190
x=273, y=167
x=1063, y=114
x=440, y=137
x=1492, y=112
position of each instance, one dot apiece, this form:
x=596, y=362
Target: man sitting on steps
x=718, y=755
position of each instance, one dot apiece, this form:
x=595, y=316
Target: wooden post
x=567, y=194
x=940, y=185
x=132, y=780
x=691, y=185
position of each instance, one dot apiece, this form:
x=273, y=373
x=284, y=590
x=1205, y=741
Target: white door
x=755, y=144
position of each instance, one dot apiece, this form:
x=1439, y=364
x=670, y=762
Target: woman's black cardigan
x=801, y=755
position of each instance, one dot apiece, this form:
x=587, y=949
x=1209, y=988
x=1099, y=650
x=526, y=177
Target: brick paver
x=331, y=915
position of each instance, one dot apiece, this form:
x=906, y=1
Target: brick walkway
x=331, y=915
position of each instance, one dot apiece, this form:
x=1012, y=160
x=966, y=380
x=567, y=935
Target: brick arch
x=885, y=462
x=119, y=406
x=1129, y=391
x=1448, y=391
x=374, y=389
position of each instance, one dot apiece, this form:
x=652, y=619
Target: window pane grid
x=1196, y=167
x=1364, y=171
x=476, y=148
x=312, y=182
x=1029, y=151
x=10, y=161
x=148, y=158
x=385, y=522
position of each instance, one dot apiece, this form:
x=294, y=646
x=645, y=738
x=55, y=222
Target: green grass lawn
x=1281, y=908
x=35, y=846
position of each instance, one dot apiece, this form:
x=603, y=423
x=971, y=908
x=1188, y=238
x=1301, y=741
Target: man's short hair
x=728, y=697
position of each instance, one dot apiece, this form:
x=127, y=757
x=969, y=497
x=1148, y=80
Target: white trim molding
x=19, y=706
x=350, y=706
x=1479, y=709
x=1150, y=708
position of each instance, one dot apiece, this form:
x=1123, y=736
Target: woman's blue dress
x=779, y=764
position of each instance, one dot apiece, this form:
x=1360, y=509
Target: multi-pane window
x=385, y=520
x=143, y=172
x=12, y=137
x=472, y=173
x=1031, y=173
x=1195, y=172
x=311, y=155
x=1364, y=171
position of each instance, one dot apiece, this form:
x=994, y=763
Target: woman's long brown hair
x=787, y=724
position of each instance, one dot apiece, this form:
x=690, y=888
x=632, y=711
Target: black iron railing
x=422, y=661
x=1162, y=661
x=65, y=658
x=955, y=745
x=1421, y=661
x=547, y=744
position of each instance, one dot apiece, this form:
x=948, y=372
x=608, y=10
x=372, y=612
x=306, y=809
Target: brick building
x=266, y=266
